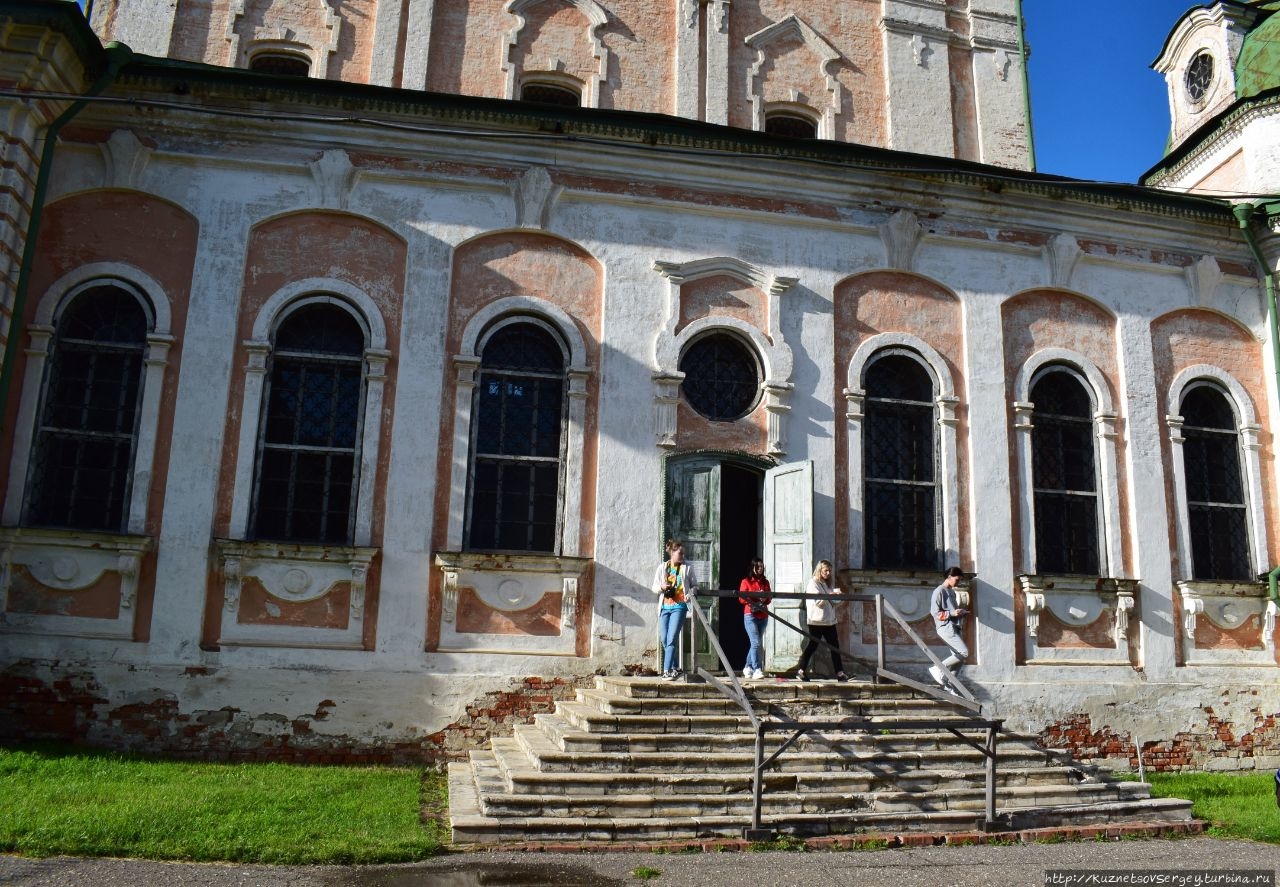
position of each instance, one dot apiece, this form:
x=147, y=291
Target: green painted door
x=693, y=516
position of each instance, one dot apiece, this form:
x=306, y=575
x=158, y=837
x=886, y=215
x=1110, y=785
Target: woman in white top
x=820, y=614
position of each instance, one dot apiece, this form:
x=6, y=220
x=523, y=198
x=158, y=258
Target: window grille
x=307, y=457
x=721, y=377
x=1064, y=476
x=516, y=461
x=900, y=501
x=550, y=94
x=790, y=125
x=1215, y=487
x=280, y=63
x=82, y=461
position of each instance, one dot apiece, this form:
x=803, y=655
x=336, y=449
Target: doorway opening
x=740, y=541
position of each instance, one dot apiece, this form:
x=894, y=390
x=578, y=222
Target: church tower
x=940, y=77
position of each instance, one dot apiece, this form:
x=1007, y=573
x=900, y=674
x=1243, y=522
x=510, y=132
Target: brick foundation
x=74, y=708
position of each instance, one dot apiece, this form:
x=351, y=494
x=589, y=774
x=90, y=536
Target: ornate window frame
x=40, y=332
x=596, y=17
x=71, y=560
x=773, y=352
x=795, y=27
x=366, y=313
x=467, y=365
x=1104, y=427
x=297, y=572
x=945, y=401
x=1248, y=430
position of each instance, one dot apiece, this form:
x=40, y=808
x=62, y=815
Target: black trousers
x=818, y=633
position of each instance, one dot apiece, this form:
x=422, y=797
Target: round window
x=1199, y=76
x=721, y=377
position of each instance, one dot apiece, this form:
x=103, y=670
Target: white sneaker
x=668, y=675
x=936, y=674
x=748, y=674
x=759, y=675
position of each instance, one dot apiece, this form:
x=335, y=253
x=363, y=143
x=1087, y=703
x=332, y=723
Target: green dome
x=1258, y=68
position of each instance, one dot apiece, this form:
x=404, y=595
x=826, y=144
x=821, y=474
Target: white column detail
x=24, y=427
x=255, y=380
x=571, y=540
x=688, y=53
x=1105, y=432
x=1022, y=428
x=417, y=46
x=375, y=381
x=854, y=414
x=717, y=92
x=466, y=368
x=156, y=362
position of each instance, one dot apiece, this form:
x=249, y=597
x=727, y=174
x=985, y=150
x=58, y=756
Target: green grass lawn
x=57, y=801
x=1236, y=805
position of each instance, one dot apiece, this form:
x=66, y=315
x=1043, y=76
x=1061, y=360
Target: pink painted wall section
x=297, y=247
x=1039, y=319
x=200, y=33
x=852, y=27
x=885, y=302
x=723, y=296
x=540, y=620
x=498, y=266
x=469, y=46
x=101, y=600
x=1231, y=176
x=1196, y=336
x=260, y=607
x=159, y=239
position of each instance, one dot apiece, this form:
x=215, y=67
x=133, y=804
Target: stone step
x=541, y=752
x=854, y=747
x=831, y=706
x=771, y=688
x=699, y=796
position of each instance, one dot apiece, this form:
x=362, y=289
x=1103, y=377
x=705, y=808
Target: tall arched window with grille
x=308, y=455
x=83, y=454
x=900, y=464
x=1216, y=509
x=516, y=446
x=1064, y=474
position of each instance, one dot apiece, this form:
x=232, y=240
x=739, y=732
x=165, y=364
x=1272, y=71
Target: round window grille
x=721, y=377
x=1199, y=76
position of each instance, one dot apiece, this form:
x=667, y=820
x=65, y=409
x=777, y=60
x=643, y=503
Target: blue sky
x=1098, y=109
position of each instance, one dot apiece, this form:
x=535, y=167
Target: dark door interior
x=739, y=542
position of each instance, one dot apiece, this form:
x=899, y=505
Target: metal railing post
x=879, y=636
x=991, y=775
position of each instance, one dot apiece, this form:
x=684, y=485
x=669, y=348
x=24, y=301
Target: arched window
x=900, y=464
x=1216, y=509
x=83, y=454
x=790, y=124
x=286, y=63
x=516, y=447
x=544, y=93
x=309, y=439
x=1064, y=475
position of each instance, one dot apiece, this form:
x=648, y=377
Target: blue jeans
x=670, y=621
x=755, y=630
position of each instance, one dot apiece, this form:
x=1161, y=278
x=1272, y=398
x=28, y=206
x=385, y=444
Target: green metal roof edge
x=1261, y=48
x=65, y=17
x=626, y=126
x=1202, y=133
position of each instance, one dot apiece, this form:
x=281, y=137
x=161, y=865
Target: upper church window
x=280, y=63
x=551, y=94
x=796, y=126
x=1199, y=76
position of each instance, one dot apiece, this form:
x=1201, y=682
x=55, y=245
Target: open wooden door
x=693, y=516
x=788, y=555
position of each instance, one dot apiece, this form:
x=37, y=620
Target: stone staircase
x=640, y=759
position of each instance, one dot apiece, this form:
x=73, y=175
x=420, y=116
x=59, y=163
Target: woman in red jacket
x=755, y=615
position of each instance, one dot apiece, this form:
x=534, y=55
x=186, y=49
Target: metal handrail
x=962, y=698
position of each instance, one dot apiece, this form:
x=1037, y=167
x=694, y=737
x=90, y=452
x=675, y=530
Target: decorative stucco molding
x=596, y=17
x=1061, y=255
x=901, y=236
x=67, y=562
x=795, y=28
x=124, y=160
x=535, y=195
x=771, y=345
x=334, y=176
x=1233, y=607
x=317, y=45
x=1077, y=602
